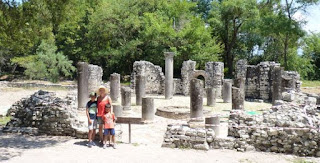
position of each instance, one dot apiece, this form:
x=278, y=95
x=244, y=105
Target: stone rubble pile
x=44, y=113
x=301, y=98
x=286, y=128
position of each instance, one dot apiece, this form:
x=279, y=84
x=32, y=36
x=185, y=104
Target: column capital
x=169, y=54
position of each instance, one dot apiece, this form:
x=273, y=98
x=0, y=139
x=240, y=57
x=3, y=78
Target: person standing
x=91, y=111
x=102, y=100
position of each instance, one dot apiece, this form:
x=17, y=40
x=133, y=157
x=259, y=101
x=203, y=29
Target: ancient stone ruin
x=258, y=84
x=44, y=113
x=89, y=79
x=154, y=76
x=155, y=82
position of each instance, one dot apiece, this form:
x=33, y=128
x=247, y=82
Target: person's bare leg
x=114, y=141
x=90, y=135
x=93, y=134
x=101, y=132
x=109, y=137
x=105, y=141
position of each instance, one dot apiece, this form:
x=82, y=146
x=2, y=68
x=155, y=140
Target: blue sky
x=312, y=17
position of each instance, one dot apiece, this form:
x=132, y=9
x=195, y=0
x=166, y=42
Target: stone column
x=95, y=77
x=276, y=84
x=196, y=98
x=240, y=83
x=114, y=87
x=117, y=110
x=147, y=109
x=169, y=75
x=211, y=96
x=126, y=98
x=140, y=88
x=213, y=122
x=83, y=76
x=237, y=99
x=227, y=93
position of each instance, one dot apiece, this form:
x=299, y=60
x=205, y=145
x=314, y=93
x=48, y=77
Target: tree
x=176, y=28
x=46, y=63
x=229, y=19
x=311, y=50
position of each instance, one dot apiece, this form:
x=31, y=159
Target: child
x=91, y=111
x=109, y=132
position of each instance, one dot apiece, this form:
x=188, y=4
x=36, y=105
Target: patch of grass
x=135, y=144
x=309, y=83
x=184, y=147
x=4, y=120
x=301, y=160
x=245, y=160
x=125, y=83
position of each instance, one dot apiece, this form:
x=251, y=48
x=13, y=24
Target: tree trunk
x=229, y=63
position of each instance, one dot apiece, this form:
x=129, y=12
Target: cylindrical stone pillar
x=117, y=110
x=168, y=92
x=114, y=87
x=211, y=96
x=227, y=92
x=237, y=99
x=196, y=98
x=140, y=88
x=83, y=76
x=240, y=83
x=276, y=84
x=126, y=98
x=213, y=122
x=147, y=109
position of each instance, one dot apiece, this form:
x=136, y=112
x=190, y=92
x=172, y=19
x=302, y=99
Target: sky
x=312, y=17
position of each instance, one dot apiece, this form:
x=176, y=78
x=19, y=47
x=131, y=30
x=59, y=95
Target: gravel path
x=65, y=149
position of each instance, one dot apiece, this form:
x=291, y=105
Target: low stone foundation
x=286, y=128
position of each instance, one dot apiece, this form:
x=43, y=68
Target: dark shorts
x=109, y=131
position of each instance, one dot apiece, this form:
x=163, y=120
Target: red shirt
x=102, y=106
x=108, y=120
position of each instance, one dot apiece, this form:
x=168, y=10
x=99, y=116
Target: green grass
x=4, y=120
x=309, y=83
x=125, y=83
x=301, y=160
x=135, y=144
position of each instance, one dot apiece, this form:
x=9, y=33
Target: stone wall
x=285, y=128
x=182, y=136
x=259, y=79
x=213, y=75
x=154, y=76
x=37, y=85
x=215, y=72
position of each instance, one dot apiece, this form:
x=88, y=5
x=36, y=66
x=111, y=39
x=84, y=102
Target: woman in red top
x=103, y=99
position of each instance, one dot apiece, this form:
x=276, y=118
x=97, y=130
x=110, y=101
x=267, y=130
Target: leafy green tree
x=311, y=50
x=176, y=28
x=229, y=19
x=46, y=63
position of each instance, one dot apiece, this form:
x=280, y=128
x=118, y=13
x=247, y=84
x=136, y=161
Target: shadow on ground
x=12, y=145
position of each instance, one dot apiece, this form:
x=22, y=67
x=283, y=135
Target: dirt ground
x=146, y=139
